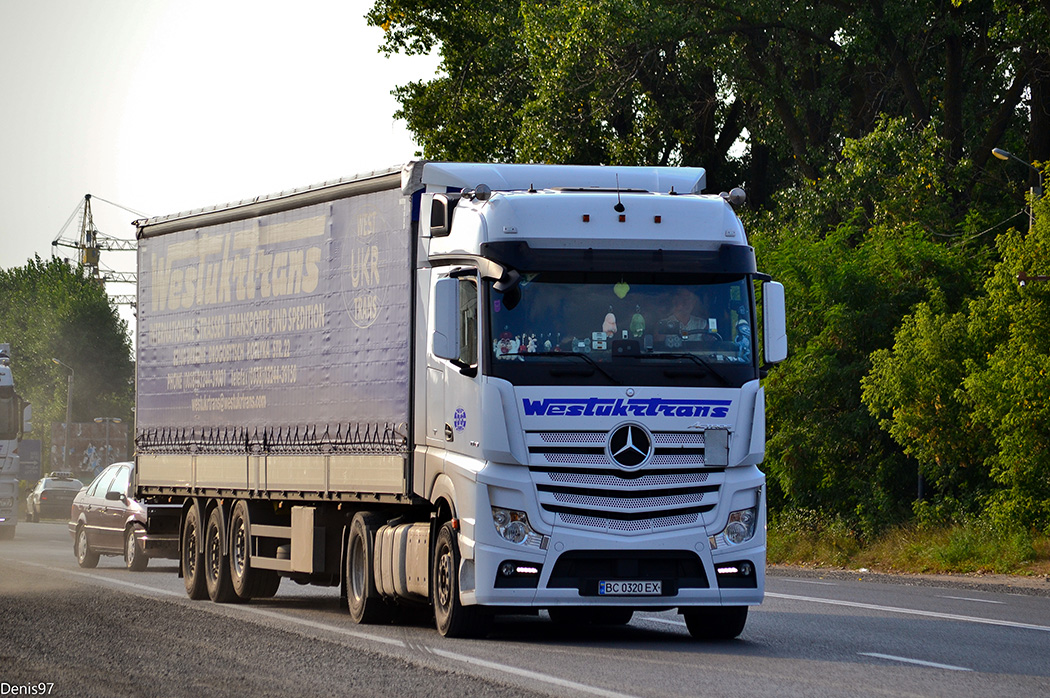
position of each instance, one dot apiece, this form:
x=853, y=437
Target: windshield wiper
x=581, y=355
x=684, y=355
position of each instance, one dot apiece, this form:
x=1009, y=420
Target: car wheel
x=216, y=561
x=452, y=618
x=715, y=622
x=190, y=556
x=134, y=555
x=365, y=603
x=86, y=557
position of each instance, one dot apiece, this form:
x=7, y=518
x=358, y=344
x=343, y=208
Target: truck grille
x=578, y=483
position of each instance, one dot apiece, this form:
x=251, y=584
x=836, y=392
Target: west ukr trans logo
x=619, y=407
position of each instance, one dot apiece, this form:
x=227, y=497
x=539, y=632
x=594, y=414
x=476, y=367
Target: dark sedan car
x=52, y=496
x=105, y=520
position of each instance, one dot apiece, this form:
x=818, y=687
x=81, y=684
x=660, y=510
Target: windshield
x=654, y=329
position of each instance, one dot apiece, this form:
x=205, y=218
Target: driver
x=683, y=306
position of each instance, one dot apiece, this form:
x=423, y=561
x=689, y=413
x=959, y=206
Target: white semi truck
x=471, y=388
x=14, y=421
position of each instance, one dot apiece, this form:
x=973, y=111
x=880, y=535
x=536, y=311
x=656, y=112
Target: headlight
x=514, y=527
x=7, y=502
x=739, y=529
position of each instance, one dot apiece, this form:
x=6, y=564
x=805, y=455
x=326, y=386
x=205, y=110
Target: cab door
x=453, y=394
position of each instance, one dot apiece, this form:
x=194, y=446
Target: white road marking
x=967, y=598
x=561, y=683
x=920, y=662
x=807, y=581
x=369, y=637
x=912, y=612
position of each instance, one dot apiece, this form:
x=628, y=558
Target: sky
x=163, y=106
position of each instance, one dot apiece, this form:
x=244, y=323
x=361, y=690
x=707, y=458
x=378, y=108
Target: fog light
x=507, y=569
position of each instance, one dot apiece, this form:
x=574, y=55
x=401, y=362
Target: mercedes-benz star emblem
x=630, y=446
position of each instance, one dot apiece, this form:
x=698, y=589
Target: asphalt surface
x=109, y=632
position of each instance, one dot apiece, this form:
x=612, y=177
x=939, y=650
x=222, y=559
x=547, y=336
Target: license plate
x=630, y=588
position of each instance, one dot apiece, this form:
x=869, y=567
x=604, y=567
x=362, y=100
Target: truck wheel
x=216, y=561
x=134, y=555
x=365, y=604
x=191, y=558
x=715, y=623
x=452, y=618
x=86, y=557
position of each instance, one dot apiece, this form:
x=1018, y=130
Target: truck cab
x=593, y=411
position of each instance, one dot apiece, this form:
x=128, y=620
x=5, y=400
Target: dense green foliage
x=683, y=82
x=863, y=133
x=967, y=393
x=52, y=310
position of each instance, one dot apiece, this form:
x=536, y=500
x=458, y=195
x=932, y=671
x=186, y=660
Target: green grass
x=811, y=540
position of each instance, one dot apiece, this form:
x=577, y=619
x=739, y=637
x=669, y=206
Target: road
x=65, y=631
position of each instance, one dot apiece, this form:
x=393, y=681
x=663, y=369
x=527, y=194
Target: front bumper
x=569, y=572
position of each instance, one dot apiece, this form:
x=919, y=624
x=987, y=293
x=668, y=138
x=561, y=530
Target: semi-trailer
x=471, y=388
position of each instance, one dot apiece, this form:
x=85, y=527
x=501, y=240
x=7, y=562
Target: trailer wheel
x=452, y=618
x=86, y=557
x=191, y=559
x=248, y=582
x=715, y=623
x=216, y=561
x=362, y=599
x=267, y=582
x=134, y=555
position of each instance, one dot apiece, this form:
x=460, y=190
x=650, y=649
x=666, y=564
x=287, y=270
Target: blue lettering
x=649, y=407
x=534, y=408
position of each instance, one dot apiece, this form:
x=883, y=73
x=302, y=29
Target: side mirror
x=27, y=419
x=441, y=214
x=774, y=321
x=444, y=336
x=114, y=496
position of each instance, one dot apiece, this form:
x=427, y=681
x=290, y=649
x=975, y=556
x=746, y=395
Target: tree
x=856, y=252
x=761, y=93
x=52, y=310
x=968, y=393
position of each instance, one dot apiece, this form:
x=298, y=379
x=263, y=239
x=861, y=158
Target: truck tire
x=364, y=602
x=86, y=557
x=190, y=557
x=216, y=561
x=452, y=618
x=134, y=555
x=715, y=622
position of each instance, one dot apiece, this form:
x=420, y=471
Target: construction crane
x=90, y=242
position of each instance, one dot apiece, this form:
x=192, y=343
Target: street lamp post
x=108, y=421
x=1037, y=190
x=69, y=413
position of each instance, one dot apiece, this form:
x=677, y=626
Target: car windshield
x=648, y=328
